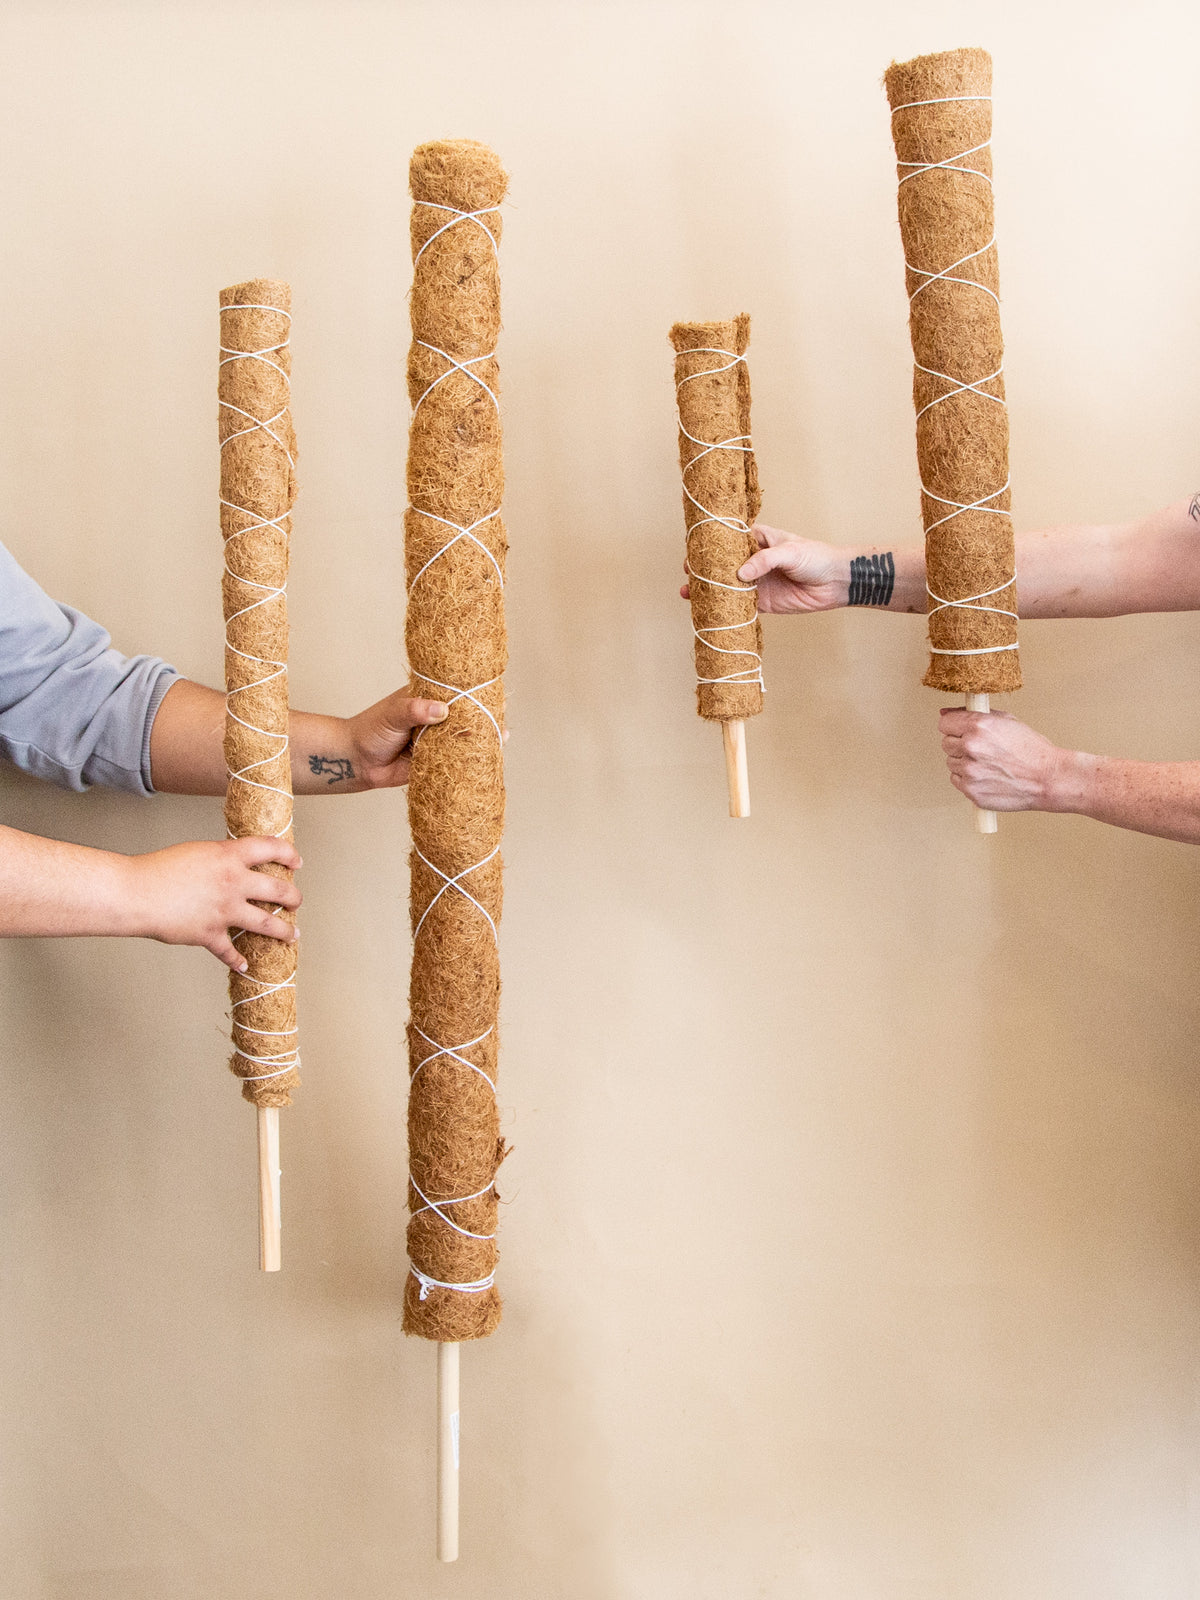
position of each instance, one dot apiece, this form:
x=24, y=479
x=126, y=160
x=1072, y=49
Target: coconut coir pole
x=720, y=502
x=454, y=551
x=258, y=489
x=942, y=127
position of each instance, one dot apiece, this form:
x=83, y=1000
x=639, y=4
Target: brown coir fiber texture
x=258, y=490
x=715, y=407
x=946, y=216
x=456, y=643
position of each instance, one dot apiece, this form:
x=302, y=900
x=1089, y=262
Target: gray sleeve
x=72, y=709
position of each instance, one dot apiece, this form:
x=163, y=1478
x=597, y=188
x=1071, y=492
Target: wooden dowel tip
x=447, y=1452
x=737, y=771
x=270, y=1249
x=985, y=821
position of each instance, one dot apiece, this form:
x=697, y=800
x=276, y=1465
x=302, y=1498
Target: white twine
x=738, y=444
x=958, y=385
x=456, y=217
x=475, y=1286
x=453, y=365
x=436, y=1207
x=454, y=1052
x=266, y=593
x=452, y=694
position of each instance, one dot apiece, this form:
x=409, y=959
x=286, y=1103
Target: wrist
x=362, y=759
x=870, y=579
x=131, y=898
x=327, y=753
x=1070, y=782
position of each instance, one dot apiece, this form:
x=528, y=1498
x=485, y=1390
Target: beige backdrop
x=850, y=1250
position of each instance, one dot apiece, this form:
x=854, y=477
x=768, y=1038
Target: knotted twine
x=258, y=490
x=942, y=124
x=454, y=551
x=720, y=502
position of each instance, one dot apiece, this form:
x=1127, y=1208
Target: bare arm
x=1082, y=570
x=187, y=894
x=330, y=755
x=1102, y=570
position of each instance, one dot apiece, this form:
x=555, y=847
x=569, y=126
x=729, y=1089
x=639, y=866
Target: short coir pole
x=258, y=490
x=942, y=126
x=720, y=503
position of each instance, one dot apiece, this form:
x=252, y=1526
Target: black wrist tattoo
x=1194, y=508
x=872, y=579
x=338, y=768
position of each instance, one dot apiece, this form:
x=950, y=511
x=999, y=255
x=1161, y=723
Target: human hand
x=794, y=574
x=1003, y=765
x=381, y=737
x=194, y=893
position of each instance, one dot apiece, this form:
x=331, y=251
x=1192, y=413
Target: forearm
x=1156, y=797
x=1112, y=570
x=1061, y=572
x=51, y=889
x=187, y=746
x=1077, y=570
x=888, y=580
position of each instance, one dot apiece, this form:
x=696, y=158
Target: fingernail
x=440, y=712
x=299, y=862
x=245, y=967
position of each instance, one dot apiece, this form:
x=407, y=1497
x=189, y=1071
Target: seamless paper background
x=850, y=1233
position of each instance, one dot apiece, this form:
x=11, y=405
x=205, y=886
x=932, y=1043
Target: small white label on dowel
x=454, y=1436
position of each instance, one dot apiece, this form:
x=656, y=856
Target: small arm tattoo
x=872, y=579
x=338, y=768
x=1194, y=508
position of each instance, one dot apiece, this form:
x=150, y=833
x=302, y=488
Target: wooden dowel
x=447, y=1452
x=737, y=772
x=985, y=821
x=270, y=1252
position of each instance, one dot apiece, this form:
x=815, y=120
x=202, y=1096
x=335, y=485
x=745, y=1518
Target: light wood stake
x=447, y=1452
x=270, y=1252
x=737, y=772
x=985, y=821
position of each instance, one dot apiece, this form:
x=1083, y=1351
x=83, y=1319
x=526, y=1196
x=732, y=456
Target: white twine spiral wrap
x=948, y=274
x=738, y=444
x=452, y=694
x=262, y=594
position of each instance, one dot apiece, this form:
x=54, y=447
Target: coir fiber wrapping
x=942, y=123
x=258, y=490
x=455, y=550
x=720, y=502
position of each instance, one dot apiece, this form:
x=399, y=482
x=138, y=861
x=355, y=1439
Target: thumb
x=761, y=562
x=399, y=713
